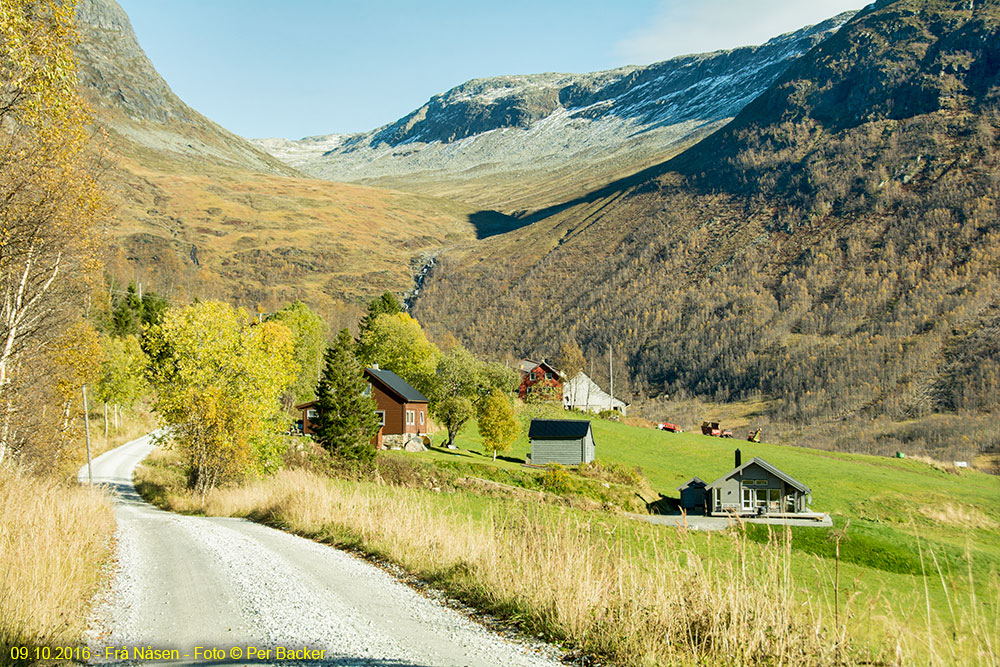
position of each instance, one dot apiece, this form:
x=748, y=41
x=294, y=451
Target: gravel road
x=182, y=582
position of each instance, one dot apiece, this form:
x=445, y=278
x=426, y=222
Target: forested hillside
x=834, y=249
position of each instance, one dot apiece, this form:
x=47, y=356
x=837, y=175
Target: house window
x=411, y=417
x=381, y=417
x=421, y=417
x=311, y=413
x=367, y=391
x=548, y=376
x=760, y=482
x=533, y=376
x=747, y=499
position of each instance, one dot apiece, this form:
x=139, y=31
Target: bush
x=610, y=415
x=556, y=479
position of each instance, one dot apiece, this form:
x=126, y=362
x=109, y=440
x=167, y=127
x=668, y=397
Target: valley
x=726, y=259
x=455, y=390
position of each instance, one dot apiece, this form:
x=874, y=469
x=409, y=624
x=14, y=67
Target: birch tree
x=497, y=424
x=49, y=194
x=219, y=377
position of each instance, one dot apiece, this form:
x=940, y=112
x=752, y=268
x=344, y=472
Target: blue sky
x=294, y=68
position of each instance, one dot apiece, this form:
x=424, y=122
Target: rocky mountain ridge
x=134, y=102
x=533, y=124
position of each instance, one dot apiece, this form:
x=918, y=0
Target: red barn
x=540, y=379
x=402, y=410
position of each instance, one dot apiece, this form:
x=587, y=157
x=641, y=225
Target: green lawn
x=906, y=517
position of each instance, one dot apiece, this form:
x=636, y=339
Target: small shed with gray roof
x=693, y=494
x=568, y=442
x=757, y=488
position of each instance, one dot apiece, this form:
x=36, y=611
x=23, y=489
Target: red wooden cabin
x=541, y=379
x=402, y=409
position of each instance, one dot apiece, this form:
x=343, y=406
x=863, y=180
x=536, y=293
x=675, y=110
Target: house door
x=748, y=500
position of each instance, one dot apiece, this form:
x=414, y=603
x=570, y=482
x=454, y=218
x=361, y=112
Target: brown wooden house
x=402, y=410
x=541, y=379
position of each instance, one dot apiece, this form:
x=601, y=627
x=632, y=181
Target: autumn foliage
x=219, y=376
x=50, y=204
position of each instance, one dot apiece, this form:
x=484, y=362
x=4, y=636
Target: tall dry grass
x=54, y=539
x=581, y=581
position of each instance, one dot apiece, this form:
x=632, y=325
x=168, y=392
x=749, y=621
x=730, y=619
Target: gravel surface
x=181, y=582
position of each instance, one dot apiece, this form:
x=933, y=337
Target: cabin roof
x=397, y=385
x=791, y=481
x=528, y=365
x=555, y=429
x=694, y=481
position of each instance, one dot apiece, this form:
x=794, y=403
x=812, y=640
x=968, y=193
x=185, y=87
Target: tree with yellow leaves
x=219, y=376
x=49, y=195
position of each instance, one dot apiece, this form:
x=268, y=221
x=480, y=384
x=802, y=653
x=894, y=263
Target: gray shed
x=568, y=442
x=693, y=494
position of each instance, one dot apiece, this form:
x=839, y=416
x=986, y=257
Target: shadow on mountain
x=492, y=223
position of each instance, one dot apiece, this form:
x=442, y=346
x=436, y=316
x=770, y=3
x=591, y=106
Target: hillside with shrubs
x=833, y=251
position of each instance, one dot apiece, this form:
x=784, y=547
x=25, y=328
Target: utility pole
x=611, y=372
x=86, y=422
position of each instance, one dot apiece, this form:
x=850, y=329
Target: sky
x=295, y=68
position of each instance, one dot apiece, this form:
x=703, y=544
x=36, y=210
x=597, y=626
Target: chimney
x=375, y=367
x=739, y=458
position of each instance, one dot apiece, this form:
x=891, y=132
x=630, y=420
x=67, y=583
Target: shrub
x=556, y=479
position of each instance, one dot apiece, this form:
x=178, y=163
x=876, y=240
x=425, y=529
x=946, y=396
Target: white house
x=582, y=393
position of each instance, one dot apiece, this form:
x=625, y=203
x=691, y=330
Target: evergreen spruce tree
x=347, y=421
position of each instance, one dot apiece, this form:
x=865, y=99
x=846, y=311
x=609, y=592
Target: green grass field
x=906, y=518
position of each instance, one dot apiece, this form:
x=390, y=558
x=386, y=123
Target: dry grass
x=964, y=516
x=133, y=424
x=662, y=601
x=217, y=232
x=53, y=540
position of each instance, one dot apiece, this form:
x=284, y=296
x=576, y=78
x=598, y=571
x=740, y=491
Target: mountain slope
x=203, y=213
x=835, y=248
x=136, y=104
x=524, y=142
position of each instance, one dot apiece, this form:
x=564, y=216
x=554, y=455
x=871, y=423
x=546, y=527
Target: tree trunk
x=116, y=416
x=105, y=421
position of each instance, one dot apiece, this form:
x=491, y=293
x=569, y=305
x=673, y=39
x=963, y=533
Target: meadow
x=916, y=580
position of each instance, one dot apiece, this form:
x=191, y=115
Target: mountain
x=833, y=250
x=136, y=104
x=525, y=142
x=203, y=213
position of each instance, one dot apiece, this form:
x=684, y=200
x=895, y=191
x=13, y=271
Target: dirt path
x=183, y=582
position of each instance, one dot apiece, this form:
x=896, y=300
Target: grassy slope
x=896, y=507
x=193, y=229
x=517, y=192
x=881, y=603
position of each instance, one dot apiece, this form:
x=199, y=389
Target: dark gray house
x=568, y=442
x=693, y=494
x=757, y=487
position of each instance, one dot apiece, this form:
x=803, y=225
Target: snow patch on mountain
x=536, y=122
